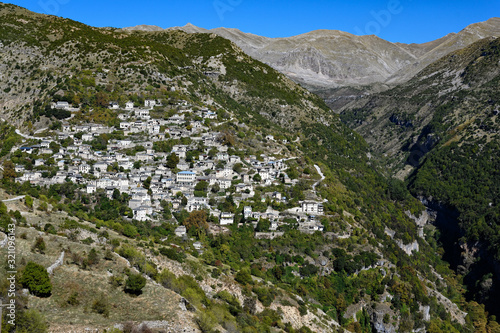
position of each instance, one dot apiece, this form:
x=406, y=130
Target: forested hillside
x=442, y=127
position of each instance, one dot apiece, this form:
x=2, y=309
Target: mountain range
x=332, y=59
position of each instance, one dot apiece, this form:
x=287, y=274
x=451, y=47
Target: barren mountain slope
x=331, y=58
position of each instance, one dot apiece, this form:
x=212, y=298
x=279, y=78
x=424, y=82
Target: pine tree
x=36, y=279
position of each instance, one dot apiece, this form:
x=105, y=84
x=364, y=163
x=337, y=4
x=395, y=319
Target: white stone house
x=186, y=177
x=226, y=218
x=247, y=212
x=150, y=103
x=222, y=156
x=312, y=207
x=60, y=105
x=91, y=188
x=101, y=166
x=129, y=105
x=196, y=203
x=67, y=128
x=142, y=114
x=209, y=115
x=180, y=231
x=87, y=137
x=264, y=174
x=104, y=182
x=114, y=105
x=224, y=183
x=125, y=125
x=179, y=150
x=84, y=168
x=143, y=213
x=223, y=173
x=176, y=119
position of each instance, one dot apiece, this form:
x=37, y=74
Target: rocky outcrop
x=3, y=242
x=408, y=248
x=426, y=312
x=58, y=263
x=421, y=220
x=451, y=308
x=377, y=314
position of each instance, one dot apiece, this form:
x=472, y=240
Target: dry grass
x=155, y=303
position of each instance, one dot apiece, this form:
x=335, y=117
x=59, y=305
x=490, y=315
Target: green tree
x=9, y=172
x=43, y=206
x=147, y=183
x=216, y=188
x=196, y=222
x=201, y=186
x=172, y=161
x=29, y=201
x=92, y=257
x=243, y=276
x=135, y=283
x=130, y=231
x=263, y=225
x=36, y=279
x=238, y=167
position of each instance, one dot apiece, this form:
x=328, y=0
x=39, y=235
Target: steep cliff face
x=472, y=260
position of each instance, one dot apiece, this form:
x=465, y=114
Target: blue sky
x=407, y=21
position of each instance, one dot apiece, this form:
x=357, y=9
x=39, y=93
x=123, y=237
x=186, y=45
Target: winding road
x=30, y=137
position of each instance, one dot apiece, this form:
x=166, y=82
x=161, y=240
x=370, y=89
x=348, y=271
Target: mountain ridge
x=323, y=58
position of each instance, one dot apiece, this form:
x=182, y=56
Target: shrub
x=243, y=277
x=172, y=253
x=228, y=298
x=30, y=321
x=92, y=257
x=36, y=279
x=135, y=283
x=49, y=228
x=39, y=245
x=73, y=299
x=302, y=310
x=116, y=281
x=101, y=306
x=265, y=295
x=132, y=254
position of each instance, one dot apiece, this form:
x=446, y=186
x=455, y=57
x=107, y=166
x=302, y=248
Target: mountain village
x=145, y=177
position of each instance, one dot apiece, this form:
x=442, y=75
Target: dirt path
x=14, y=199
x=321, y=175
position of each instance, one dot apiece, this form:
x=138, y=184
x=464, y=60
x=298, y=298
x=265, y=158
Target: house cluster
x=146, y=178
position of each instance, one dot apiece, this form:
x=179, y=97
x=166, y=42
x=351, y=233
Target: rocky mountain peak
x=332, y=58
